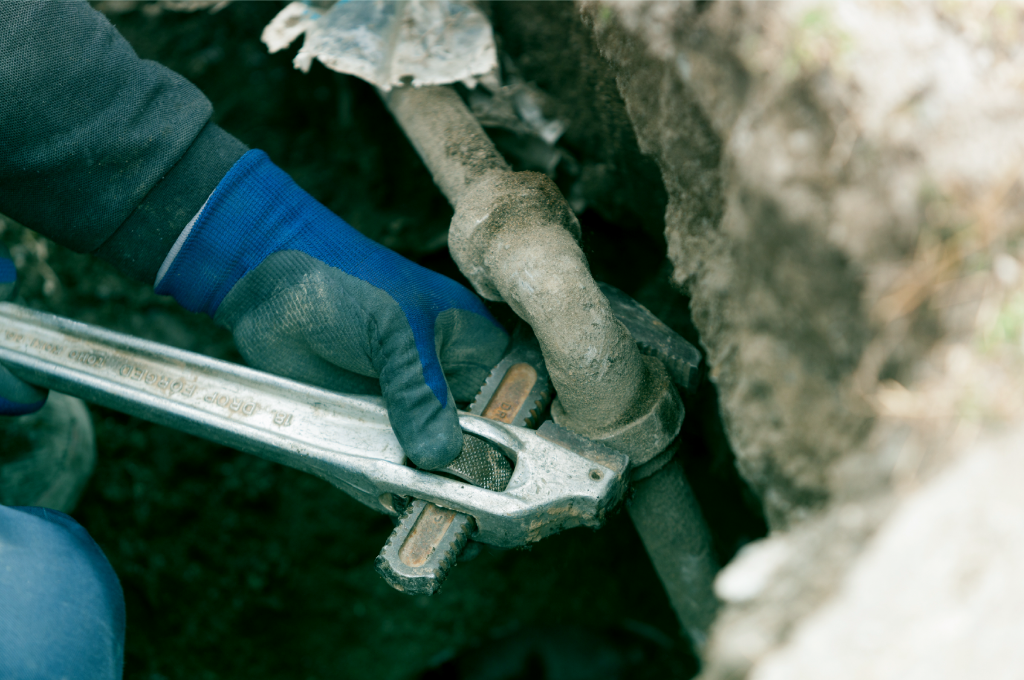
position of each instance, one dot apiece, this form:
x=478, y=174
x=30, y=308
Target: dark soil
x=236, y=567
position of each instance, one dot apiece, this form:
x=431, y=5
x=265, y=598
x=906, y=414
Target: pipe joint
x=517, y=240
x=506, y=211
x=647, y=429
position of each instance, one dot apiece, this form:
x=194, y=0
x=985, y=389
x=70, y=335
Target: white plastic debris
x=289, y=24
x=388, y=44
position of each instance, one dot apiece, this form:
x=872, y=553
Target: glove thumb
x=420, y=405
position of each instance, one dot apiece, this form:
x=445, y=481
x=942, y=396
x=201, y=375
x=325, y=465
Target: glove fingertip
x=8, y=275
x=17, y=397
x=433, y=452
x=15, y=408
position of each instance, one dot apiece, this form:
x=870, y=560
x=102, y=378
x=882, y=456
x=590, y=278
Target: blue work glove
x=16, y=397
x=309, y=297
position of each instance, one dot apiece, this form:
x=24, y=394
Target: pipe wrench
x=428, y=539
x=511, y=486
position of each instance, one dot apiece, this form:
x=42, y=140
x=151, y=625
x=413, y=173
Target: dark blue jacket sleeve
x=99, y=150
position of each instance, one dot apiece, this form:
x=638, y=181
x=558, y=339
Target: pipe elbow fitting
x=504, y=212
x=517, y=240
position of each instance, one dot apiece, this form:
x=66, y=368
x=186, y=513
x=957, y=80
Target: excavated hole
x=235, y=567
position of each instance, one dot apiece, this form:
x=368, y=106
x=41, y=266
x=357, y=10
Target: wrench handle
x=344, y=439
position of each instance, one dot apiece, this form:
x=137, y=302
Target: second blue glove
x=17, y=397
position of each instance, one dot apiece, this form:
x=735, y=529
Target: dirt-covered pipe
x=447, y=137
x=516, y=239
x=671, y=526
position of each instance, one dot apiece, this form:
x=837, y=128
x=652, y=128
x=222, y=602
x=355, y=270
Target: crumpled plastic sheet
x=389, y=44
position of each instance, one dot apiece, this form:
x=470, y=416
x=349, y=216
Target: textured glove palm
x=309, y=297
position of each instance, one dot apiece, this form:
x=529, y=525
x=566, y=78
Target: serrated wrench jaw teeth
x=540, y=407
x=483, y=395
x=518, y=389
x=423, y=548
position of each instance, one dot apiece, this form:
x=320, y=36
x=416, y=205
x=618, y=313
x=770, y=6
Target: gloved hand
x=16, y=397
x=309, y=297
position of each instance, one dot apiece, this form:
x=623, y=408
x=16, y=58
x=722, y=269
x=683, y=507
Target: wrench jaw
x=417, y=558
x=428, y=538
x=423, y=548
x=560, y=481
x=555, y=486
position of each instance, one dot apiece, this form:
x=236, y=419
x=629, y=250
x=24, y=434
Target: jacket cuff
x=256, y=210
x=141, y=243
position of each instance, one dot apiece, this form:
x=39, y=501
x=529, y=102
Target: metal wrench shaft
x=344, y=439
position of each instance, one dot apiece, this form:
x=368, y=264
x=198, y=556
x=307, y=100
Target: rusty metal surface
x=430, y=527
x=423, y=548
x=520, y=402
x=512, y=393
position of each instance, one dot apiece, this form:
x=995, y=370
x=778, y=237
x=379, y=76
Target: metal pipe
x=516, y=239
x=667, y=517
x=447, y=137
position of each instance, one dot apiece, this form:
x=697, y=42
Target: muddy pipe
x=516, y=239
